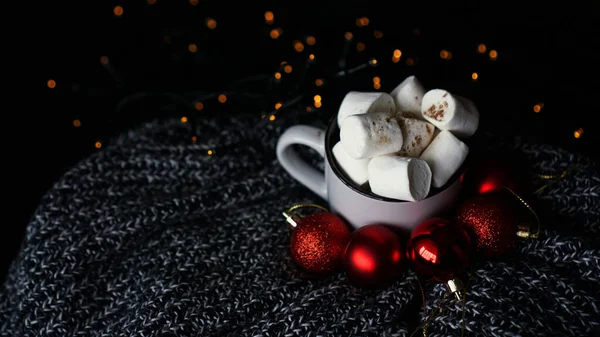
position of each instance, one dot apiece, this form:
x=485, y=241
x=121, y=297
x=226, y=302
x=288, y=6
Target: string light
x=481, y=48
x=77, y=123
x=198, y=106
x=184, y=119
x=493, y=54
x=360, y=46
x=287, y=68
x=348, y=36
x=194, y=139
x=396, y=55
x=278, y=105
x=317, y=98
x=311, y=40
x=118, y=11
x=311, y=57
x=269, y=17
x=538, y=107
x=298, y=46
x=378, y=34
x=211, y=23
x=272, y=118
x=276, y=33
x=210, y=152
x=446, y=55
x=277, y=75
x=362, y=22
x=98, y=145
x=578, y=133
x=318, y=82
x=222, y=98
x=51, y=84
x=192, y=48
x=474, y=76
x=376, y=82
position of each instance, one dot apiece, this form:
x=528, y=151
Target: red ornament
x=318, y=242
x=438, y=250
x=490, y=175
x=491, y=220
x=373, y=257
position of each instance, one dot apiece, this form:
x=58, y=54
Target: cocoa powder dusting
x=438, y=115
x=446, y=94
x=418, y=139
x=383, y=139
x=446, y=104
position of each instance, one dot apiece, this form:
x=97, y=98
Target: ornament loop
x=524, y=231
x=292, y=220
x=554, y=177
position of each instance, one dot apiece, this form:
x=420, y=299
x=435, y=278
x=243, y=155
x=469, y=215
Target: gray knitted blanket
x=151, y=236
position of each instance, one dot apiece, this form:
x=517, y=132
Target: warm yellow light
x=184, y=119
x=373, y=62
x=298, y=46
x=311, y=57
x=104, y=60
x=277, y=75
x=410, y=61
x=192, y=48
x=308, y=109
x=151, y=2
x=362, y=22
x=395, y=59
x=360, y=46
x=199, y=106
x=318, y=104
x=376, y=85
x=98, y=145
x=481, y=48
x=278, y=105
x=222, y=98
x=446, y=55
x=211, y=23
x=378, y=34
x=317, y=98
x=275, y=33
x=194, y=139
x=537, y=108
x=118, y=10
x=474, y=76
x=272, y=118
x=210, y=152
x=287, y=68
x=493, y=54
x=193, y=2
x=77, y=123
x=311, y=40
x=269, y=17
x=348, y=35
x=397, y=53
x=376, y=79
x=318, y=82
x=282, y=63
x=578, y=133
x=51, y=84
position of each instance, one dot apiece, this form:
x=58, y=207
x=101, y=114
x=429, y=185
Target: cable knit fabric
x=152, y=236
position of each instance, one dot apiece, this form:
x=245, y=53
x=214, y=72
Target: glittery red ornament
x=373, y=257
x=318, y=242
x=492, y=174
x=438, y=250
x=491, y=220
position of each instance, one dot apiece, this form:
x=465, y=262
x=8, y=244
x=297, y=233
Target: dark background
x=546, y=56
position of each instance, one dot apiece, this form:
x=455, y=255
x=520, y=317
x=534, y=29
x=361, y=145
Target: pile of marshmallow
x=399, y=145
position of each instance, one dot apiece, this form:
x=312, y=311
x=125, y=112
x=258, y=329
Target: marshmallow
x=369, y=135
x=445, y=155
x=407, y=96
x=356, y=103
x=355, y=169
x=400, y=178
x=417, y=135
x=449, y=112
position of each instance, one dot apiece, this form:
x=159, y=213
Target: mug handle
x=291, y=161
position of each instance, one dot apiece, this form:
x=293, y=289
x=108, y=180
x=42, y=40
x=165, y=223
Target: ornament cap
x=456, y=287
x=525, y=232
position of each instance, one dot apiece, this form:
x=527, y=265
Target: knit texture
x=152, y=236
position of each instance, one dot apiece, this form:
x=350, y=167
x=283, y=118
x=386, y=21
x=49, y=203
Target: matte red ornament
x=318, y=242
x=438, y=250
x=373, y=257
x=492, y=174
x=491, y=220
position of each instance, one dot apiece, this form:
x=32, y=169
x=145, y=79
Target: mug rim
x=340, y=175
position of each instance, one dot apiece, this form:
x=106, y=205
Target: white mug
x=357, y=207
